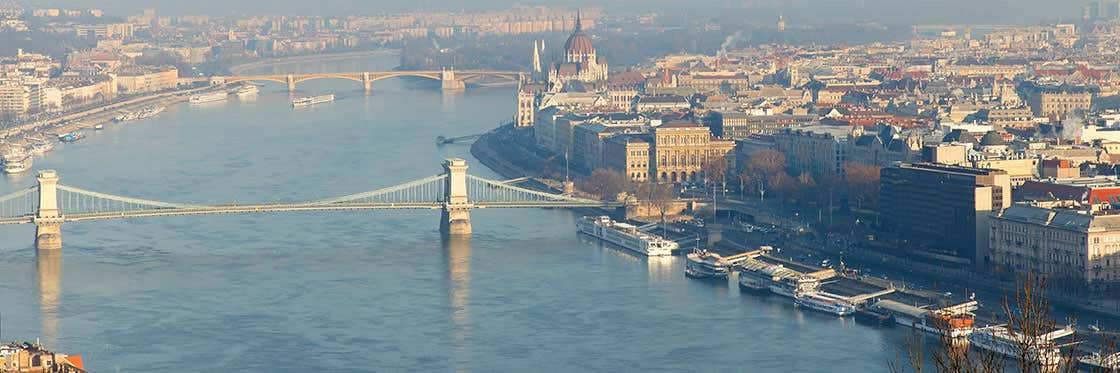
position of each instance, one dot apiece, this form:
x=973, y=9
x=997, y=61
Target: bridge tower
x=367, y=82
x=456, y=216
x=291, y=80
x=448, y=81
x=48, y=219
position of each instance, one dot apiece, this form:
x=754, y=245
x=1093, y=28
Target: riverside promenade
x=90, y=117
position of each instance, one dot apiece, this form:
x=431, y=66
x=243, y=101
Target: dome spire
x=578, y=26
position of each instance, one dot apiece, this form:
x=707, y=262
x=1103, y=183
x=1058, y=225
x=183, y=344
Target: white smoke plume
x=1071, y=127
x=728, y=41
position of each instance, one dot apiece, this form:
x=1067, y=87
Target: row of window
x=682, y=140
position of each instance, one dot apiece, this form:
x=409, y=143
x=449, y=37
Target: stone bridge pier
x=449, y=83
x=455, y=219
x=291, y=80
x=48, y=219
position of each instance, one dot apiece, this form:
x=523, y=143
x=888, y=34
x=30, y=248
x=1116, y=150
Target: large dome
x=578, y=43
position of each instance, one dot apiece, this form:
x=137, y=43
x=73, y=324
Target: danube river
x=366, y=291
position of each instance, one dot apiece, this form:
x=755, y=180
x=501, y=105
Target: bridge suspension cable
x=19, y=204
x=490, y=193
x=426, y=190
x=74, y=201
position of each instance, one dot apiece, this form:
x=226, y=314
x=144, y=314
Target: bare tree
x=656, y=196
x=806, y=188
x=760, y=166
x=862, y=182
x=607, y=183
x=781, y=183
x=715, y=170
x=1029, y=320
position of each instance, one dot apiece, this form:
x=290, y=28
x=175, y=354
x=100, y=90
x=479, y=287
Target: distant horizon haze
x=796, y=11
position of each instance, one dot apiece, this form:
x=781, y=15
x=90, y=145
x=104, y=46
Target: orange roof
x=75, y=360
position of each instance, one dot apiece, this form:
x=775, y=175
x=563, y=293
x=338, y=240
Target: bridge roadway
x=450, y=79
x=289, y=207
x=49, y=204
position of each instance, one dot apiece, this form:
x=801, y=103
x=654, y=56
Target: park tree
x=862, y=182
x=658, y=197
x=806, y=188
x=781, y=183
x=761, y=165
x=715, y=170
x=606, y=183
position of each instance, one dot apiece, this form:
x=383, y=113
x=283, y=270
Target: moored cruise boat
x=825, y=302
x=248, y=90
x=71, y=136
x=16, y=161
x=314, y=100
x=954, y=321
x=1096, y=362
x=209, y=97
x=626, y=235
x=41, y=147
x=1006, y=342
x=706, y=264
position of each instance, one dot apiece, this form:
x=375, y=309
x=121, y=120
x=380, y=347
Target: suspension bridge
x=455, y=193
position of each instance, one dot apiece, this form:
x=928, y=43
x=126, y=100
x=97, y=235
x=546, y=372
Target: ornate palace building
x=581, y=62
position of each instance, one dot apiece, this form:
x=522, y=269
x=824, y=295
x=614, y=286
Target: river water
x=366, y=291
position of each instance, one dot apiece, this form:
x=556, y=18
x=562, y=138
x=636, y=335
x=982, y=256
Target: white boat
x=1006, y=342
x=1096, y=362
x=149, y=111
x=953, y=321
x=825, y=302
x=41, y=147
x=314, y=100
x=98, y=127
x=16, y=161
x=248, y=90
x=706, y=264
x=209, y=97
x=626, y=235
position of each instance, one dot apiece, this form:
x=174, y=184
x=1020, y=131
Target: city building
x=629, y=154
x=587, y=138
x=528, y=96
x=1068, y=246
x=1058, y=101
x=1058, y=169
x=820, y=150
x=141, y=79
x=112, y=30
x=739, y=125
x=33, y=358
x=942, y=211
x=1077, y=190
x=1011, y=117
x=662, y=103
x=15, y=99
x=682, y=149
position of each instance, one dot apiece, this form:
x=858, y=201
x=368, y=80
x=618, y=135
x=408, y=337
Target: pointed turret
x=536, y=58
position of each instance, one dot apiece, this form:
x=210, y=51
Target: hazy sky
x=810, y=11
